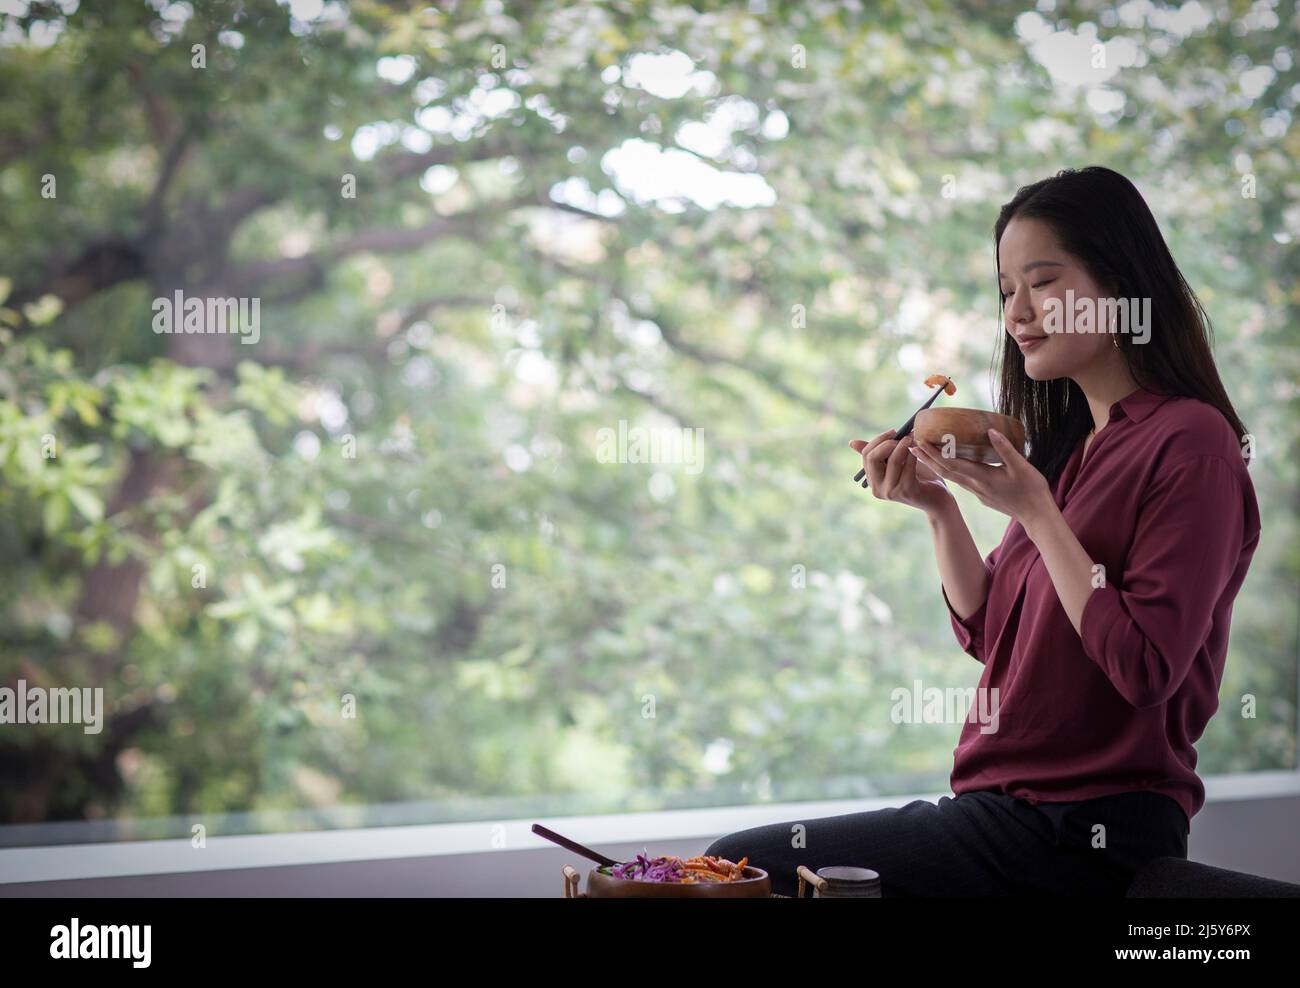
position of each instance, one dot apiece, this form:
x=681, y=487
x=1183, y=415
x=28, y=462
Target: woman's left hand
x=1015, y=488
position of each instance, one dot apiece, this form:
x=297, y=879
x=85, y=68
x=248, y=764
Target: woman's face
x=1031, y=270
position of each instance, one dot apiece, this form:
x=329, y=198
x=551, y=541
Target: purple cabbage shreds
x=647, y=869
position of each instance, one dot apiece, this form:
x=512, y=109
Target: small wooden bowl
x=968, y=429
x=755, y=885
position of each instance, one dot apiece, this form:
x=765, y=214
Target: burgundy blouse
x=1164, y=502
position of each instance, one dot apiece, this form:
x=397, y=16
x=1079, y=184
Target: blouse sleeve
x=1188, y=539
x=970, y=630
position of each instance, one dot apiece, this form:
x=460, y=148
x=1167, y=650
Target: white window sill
x=117, y=859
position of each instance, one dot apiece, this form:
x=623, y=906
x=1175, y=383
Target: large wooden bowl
x=755, y=885
x=967, y=429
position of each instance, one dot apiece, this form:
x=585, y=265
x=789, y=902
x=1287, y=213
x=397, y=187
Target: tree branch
x=251, y=278
x=767, y=375
x=101, y=265
x=673, y=338
x=171, y=165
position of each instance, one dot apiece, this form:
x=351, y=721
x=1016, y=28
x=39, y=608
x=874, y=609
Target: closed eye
x=1040, y=284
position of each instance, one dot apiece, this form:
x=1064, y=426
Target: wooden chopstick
x=907, y=427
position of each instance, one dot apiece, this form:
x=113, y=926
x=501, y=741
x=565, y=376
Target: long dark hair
x=1100, y=217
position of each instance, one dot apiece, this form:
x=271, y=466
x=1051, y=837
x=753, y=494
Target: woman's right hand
x=895, y=474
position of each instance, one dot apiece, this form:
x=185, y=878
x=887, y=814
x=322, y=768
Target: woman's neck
x=1104, y=386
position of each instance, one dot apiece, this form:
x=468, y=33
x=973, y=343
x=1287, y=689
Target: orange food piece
x=703, y=868
x=740, y=868
x=934, y=380
x=718, y=865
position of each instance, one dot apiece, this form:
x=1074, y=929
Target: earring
x=1114, y=338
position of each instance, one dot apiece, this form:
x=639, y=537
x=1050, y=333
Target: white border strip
x=157, y=857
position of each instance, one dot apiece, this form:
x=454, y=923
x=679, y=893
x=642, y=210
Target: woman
x=1101, y=619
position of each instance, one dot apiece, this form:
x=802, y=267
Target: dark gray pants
x=976, y=844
